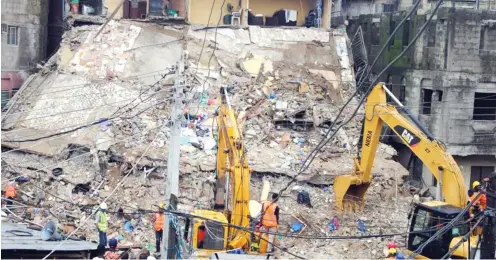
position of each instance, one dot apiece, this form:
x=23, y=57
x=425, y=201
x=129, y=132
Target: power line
x=70, y=130
x=95, y=83
x=111, y=193
x=205, y=36
x=464, y=239
x=326, y=139
x=86, y=108
x=113, y=116
x=445, y=228
x=213, y=52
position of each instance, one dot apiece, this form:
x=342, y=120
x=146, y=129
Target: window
x=5, y=97
x=426, y=101
x=484, y=106
x=487, y=34
x=388, y=8
x=12, y=35
x=375, y=38
x=478, y=173
x=4, y=28
x=406, y=33
x=392, y=26
x=425, y=220
x=431, y=36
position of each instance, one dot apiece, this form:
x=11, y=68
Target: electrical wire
x=213, y=52
x=463, y=239
x=312, y=155
x=111, y=193
x=445, y=229
x=132, y=100
x=88, y=153
x=205, y=36
x=99, y=121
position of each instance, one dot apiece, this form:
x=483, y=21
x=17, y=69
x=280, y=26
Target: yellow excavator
x=350, y=189
x=213, y=238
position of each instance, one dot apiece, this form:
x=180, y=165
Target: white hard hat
x=103, y=205
x=151, y=258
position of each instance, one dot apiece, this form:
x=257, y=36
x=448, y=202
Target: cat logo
x=368, y=138
x=407, y=136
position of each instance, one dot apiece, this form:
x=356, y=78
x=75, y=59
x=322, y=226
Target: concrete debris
x=280, y=121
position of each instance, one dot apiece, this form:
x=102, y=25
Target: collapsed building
x=97, y=113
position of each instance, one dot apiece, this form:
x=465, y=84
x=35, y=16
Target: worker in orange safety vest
x=10, y=192
x=481, y=203
x=158, y=224
x=270, y=220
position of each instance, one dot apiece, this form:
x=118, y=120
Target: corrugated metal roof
x=12, y=241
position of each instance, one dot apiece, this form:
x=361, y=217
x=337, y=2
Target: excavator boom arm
x=233, y=170
x=352, y=188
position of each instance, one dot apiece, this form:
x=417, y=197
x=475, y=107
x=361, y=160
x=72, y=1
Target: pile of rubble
x=285, y=104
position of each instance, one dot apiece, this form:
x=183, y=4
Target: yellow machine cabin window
x=430, y=220
x=209, y=235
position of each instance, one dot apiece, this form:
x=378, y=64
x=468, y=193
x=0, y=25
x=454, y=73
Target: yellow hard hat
x=392, y=251
x=475, y=184
x=161, y=205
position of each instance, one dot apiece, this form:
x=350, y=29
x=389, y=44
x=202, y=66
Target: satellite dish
x=49, y=232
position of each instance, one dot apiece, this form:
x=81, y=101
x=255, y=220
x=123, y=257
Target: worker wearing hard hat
x=391, y=253
x=158, y=224
x=101, y=220
x=480, y=203
x=270, y=220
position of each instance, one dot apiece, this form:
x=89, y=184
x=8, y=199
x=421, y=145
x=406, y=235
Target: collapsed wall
x=287, y=86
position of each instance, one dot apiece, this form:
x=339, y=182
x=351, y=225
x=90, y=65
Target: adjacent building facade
x=24, y=39
x=448, y=80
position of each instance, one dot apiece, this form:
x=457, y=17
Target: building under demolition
x=447, y=80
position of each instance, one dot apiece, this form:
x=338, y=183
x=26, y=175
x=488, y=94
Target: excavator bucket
x=349, y=192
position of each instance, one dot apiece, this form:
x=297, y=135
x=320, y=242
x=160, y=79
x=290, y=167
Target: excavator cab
x=208, y=236
x=432, y=216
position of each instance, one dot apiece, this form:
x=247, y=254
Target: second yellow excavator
x=227, y=228
x=350, y=189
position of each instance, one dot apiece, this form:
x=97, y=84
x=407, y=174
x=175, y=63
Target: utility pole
x=169, y=239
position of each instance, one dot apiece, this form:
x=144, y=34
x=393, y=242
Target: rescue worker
x=112, y=253
x=10, y=192
x=158, y=224
x=270, y=220
x=481, y=203
x=391, y=253
x=101, y=220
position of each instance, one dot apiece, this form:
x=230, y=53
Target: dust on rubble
x=285, y=105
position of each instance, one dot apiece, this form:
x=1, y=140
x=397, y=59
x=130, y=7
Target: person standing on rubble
x=158, y=224
x=102, y=223
x=10, y=192
x=270, y=220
